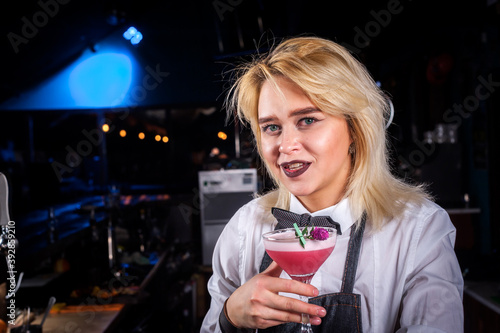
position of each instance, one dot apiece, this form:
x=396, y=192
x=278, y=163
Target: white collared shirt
x=408, y=266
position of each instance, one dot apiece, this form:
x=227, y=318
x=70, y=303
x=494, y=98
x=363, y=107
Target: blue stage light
x=136, y=39
x=133, y=35
x=129, y=33
x=102, y=80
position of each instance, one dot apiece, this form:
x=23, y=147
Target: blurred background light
x=101, y=80
x=136, y=39
x=215, y=151
x=133, y=35
x=129, y=33
x=222, y=135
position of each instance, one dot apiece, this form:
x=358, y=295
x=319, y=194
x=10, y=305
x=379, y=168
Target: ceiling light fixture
x=133, y=35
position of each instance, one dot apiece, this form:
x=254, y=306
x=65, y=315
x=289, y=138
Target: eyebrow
x=298, y=112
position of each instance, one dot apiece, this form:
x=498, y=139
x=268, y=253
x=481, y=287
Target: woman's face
x=306, y=148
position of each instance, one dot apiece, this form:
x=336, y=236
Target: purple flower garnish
x=319, y=234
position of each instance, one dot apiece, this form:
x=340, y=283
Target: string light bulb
x=222, y=135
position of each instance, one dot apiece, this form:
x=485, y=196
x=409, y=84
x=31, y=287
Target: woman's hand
x=256, y=304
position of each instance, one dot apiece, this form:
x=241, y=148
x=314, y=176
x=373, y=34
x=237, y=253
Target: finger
x=273, y=270
x=315, y=320
x=292, y=305
x=266, y=323
x=293, y=287
x=275, y=317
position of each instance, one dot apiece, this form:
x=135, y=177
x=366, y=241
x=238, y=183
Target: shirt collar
x=341, y=212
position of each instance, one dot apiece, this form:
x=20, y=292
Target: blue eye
x=309, y=121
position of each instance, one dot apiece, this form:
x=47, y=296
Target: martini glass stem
x=306, y=324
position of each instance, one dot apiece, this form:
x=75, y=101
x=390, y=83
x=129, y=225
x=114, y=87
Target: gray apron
x=343, y=309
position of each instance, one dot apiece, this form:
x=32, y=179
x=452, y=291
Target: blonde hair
x=338, y=84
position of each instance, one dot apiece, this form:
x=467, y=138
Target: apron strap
x=351, y=261
x=266, y=261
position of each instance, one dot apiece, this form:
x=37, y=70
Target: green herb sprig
x=310, y=233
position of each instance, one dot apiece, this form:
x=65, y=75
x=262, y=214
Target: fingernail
x=321, y=312
x=315, y=321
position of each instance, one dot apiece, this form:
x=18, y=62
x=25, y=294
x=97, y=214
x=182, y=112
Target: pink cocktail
x=300, y=261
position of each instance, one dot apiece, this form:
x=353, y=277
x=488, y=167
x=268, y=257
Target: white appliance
x=222, y=193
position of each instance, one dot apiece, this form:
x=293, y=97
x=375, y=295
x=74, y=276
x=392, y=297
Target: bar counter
x=93, y=294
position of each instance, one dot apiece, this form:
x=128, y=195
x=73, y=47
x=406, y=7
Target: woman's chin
x=300, y=191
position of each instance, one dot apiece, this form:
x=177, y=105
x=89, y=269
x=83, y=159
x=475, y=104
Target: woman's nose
x=289, y=141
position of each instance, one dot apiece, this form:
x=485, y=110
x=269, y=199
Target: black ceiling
x=64, y=28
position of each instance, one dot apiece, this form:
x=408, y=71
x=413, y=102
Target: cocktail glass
x=299, y=262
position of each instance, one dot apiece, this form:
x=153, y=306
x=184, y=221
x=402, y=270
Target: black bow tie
x=286, y=219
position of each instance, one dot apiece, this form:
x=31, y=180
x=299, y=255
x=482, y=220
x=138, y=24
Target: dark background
x=433, y=58
x=430, y=57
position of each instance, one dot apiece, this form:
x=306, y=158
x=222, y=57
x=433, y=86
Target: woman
x=318, y=120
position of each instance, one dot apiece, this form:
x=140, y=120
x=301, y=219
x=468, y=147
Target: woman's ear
x=352, y=148
x=352, y=135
